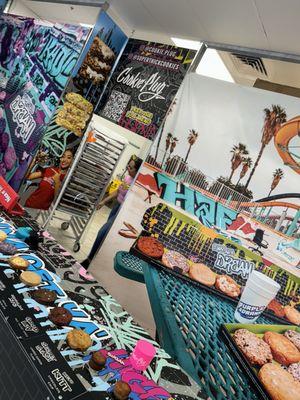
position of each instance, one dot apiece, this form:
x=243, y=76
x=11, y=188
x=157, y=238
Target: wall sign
x=144, y=85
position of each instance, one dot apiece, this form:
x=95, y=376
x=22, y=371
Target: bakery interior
x=150, y=204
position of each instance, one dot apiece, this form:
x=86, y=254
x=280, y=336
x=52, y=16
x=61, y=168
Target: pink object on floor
x=142, y=355
x=83, y=272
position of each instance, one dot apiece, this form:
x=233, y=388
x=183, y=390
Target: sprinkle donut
x=175, y=261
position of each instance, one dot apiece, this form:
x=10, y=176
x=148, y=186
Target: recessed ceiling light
x=187, y=44
x=212, y=65
x=86, y=25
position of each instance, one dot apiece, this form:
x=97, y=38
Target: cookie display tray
x=226, y=331
x=158, y=264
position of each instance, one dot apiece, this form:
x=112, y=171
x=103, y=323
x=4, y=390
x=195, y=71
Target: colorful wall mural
x=36, y=61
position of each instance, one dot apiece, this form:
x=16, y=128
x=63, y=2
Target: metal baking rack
x=86, y=182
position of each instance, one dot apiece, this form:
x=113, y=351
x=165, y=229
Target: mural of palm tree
x=238, y=153
x=247, y=164
x=174, y=141
x=192, y=138
x=277, y=176
x=273, y=120
x=170, y=110
x=169, y=139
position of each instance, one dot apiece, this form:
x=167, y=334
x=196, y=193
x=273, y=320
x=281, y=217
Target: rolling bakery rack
x=86, y=182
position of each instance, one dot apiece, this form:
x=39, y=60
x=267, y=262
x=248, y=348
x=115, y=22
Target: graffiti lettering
x=205, y=209
x=23, y=110
x=233, y=265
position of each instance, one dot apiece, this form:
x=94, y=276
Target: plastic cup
x=257, y=294
x=142, y=355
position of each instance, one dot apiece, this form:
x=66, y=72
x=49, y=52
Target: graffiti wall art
x=36, y=61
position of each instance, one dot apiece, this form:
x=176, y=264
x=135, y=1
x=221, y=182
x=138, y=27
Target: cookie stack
x=98, y=62
x=74, y=114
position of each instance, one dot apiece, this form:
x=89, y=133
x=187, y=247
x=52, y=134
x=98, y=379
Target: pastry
x=294, y=369
x=254, y=348
x=294, y=337
x=8, y=249
x=228, y=286
x=176, y=261
x=30, y=278
x=60, y=316
x=121, y=390
x=150, y=246
x=18, y=263
x=201, y=273
x=97, y=361
x=44, y=296
x=80, y=102
x=292, y=315
x=79, y=340
x=277, y=308
x=3, y=236
x=279, y=383
x=283, y=351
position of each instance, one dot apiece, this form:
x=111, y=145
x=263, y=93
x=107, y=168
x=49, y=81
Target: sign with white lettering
x=144, y=85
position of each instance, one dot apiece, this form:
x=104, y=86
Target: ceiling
x=264, y=24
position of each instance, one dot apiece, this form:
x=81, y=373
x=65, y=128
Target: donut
x=150, y=246
x=201, y=273
x=176, y=261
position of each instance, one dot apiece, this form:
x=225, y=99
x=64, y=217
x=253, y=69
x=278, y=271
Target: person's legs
x=101, y=236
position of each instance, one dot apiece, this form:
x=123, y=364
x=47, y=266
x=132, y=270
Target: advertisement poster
x=99, y=59
x=36, y=61
x=144, y=85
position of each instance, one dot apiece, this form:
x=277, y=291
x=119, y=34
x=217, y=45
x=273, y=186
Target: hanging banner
x=144, y=85
x=36, y=61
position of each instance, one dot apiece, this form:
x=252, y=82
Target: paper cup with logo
x=257, y=294
x=142, y=355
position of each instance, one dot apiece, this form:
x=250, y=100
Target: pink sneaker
x=84, y=274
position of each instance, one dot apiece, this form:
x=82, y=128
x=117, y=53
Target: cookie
x=277, y=308
x=292, y=315
x=121, y=390
x=294, y=369
x=7, y=249
x=79, y=340
x=150, y=246
x=30, y=278
x=44, y=296
x=78, y=101
x=3, y=236
x=60, y=316
x=254, y=348
x=176, y=261
x=283, y=351
x=97, y=361
x=293, y=337
x=228, y=286
x=201, y=273
x=279, y=383
x=18, y=263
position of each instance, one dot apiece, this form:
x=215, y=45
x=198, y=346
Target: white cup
x=257, y=294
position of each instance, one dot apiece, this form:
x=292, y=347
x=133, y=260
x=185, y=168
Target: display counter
x=37, y=361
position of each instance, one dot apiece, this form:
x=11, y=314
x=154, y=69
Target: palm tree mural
x=169, y=139
x=273, y=120
x=247, y=164
x=174, y=141
x=238, y=153
x=277, y=176
x=170, y=110
x=192, y=138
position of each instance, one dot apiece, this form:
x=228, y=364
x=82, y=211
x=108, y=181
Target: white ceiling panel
x=281, y=22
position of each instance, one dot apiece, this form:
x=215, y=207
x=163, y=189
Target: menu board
x=144, y=85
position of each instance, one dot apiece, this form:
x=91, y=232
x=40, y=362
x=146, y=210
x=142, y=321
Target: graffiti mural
x=36, y=61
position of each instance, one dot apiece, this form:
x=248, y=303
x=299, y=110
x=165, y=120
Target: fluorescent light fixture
x=212, y=65
x=86, y=25
x=187, y=44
